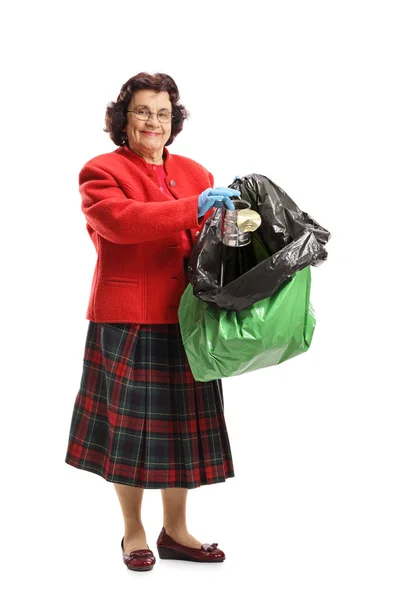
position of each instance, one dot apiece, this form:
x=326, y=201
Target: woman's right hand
x=215, y=197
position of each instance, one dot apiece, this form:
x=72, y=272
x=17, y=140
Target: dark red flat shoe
x=138, y=560
x=168, y=548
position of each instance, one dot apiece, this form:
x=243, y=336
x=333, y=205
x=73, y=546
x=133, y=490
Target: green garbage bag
x=223, y=343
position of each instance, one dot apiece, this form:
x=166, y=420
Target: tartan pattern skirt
x=140, y=418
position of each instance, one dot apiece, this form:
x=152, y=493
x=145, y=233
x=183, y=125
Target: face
x=148, y=138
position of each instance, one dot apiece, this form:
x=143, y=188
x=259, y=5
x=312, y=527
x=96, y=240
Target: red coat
x=137, y=232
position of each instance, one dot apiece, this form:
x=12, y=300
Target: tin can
x=231, y=234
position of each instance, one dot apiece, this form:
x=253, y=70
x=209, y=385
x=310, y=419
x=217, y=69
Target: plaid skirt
x=140, y=418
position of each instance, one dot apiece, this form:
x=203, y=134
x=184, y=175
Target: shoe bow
x=139, y=553
x=209, y=547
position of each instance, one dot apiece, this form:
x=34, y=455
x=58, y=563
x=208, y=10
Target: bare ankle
x=133, y=529
x=176, y=529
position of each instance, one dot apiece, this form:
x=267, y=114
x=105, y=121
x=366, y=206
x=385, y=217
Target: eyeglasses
x=143, y=114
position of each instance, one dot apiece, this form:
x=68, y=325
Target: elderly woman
x=140, y=420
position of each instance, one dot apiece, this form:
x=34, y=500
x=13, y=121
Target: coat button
x=197, y=233
x=172, y=183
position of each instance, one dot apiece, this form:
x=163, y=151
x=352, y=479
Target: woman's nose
x=153, y=117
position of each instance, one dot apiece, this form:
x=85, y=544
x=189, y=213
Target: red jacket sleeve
x=204, y=218
x=124, y=220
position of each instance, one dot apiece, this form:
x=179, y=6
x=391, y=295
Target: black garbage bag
x=287, y=241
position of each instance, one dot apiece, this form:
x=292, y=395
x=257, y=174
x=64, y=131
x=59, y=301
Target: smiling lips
x=150, y=133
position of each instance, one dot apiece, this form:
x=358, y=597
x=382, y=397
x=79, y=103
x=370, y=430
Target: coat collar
x=139, y=161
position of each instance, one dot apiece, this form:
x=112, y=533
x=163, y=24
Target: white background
x=305, y=93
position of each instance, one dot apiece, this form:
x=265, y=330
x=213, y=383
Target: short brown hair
x=116, y=111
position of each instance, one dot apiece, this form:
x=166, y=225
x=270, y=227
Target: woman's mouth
x=150, y=133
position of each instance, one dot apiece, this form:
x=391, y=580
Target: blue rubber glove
x=216, y=197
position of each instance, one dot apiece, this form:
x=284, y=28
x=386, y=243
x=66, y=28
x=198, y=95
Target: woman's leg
x=130, y=499
x=174, y=505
